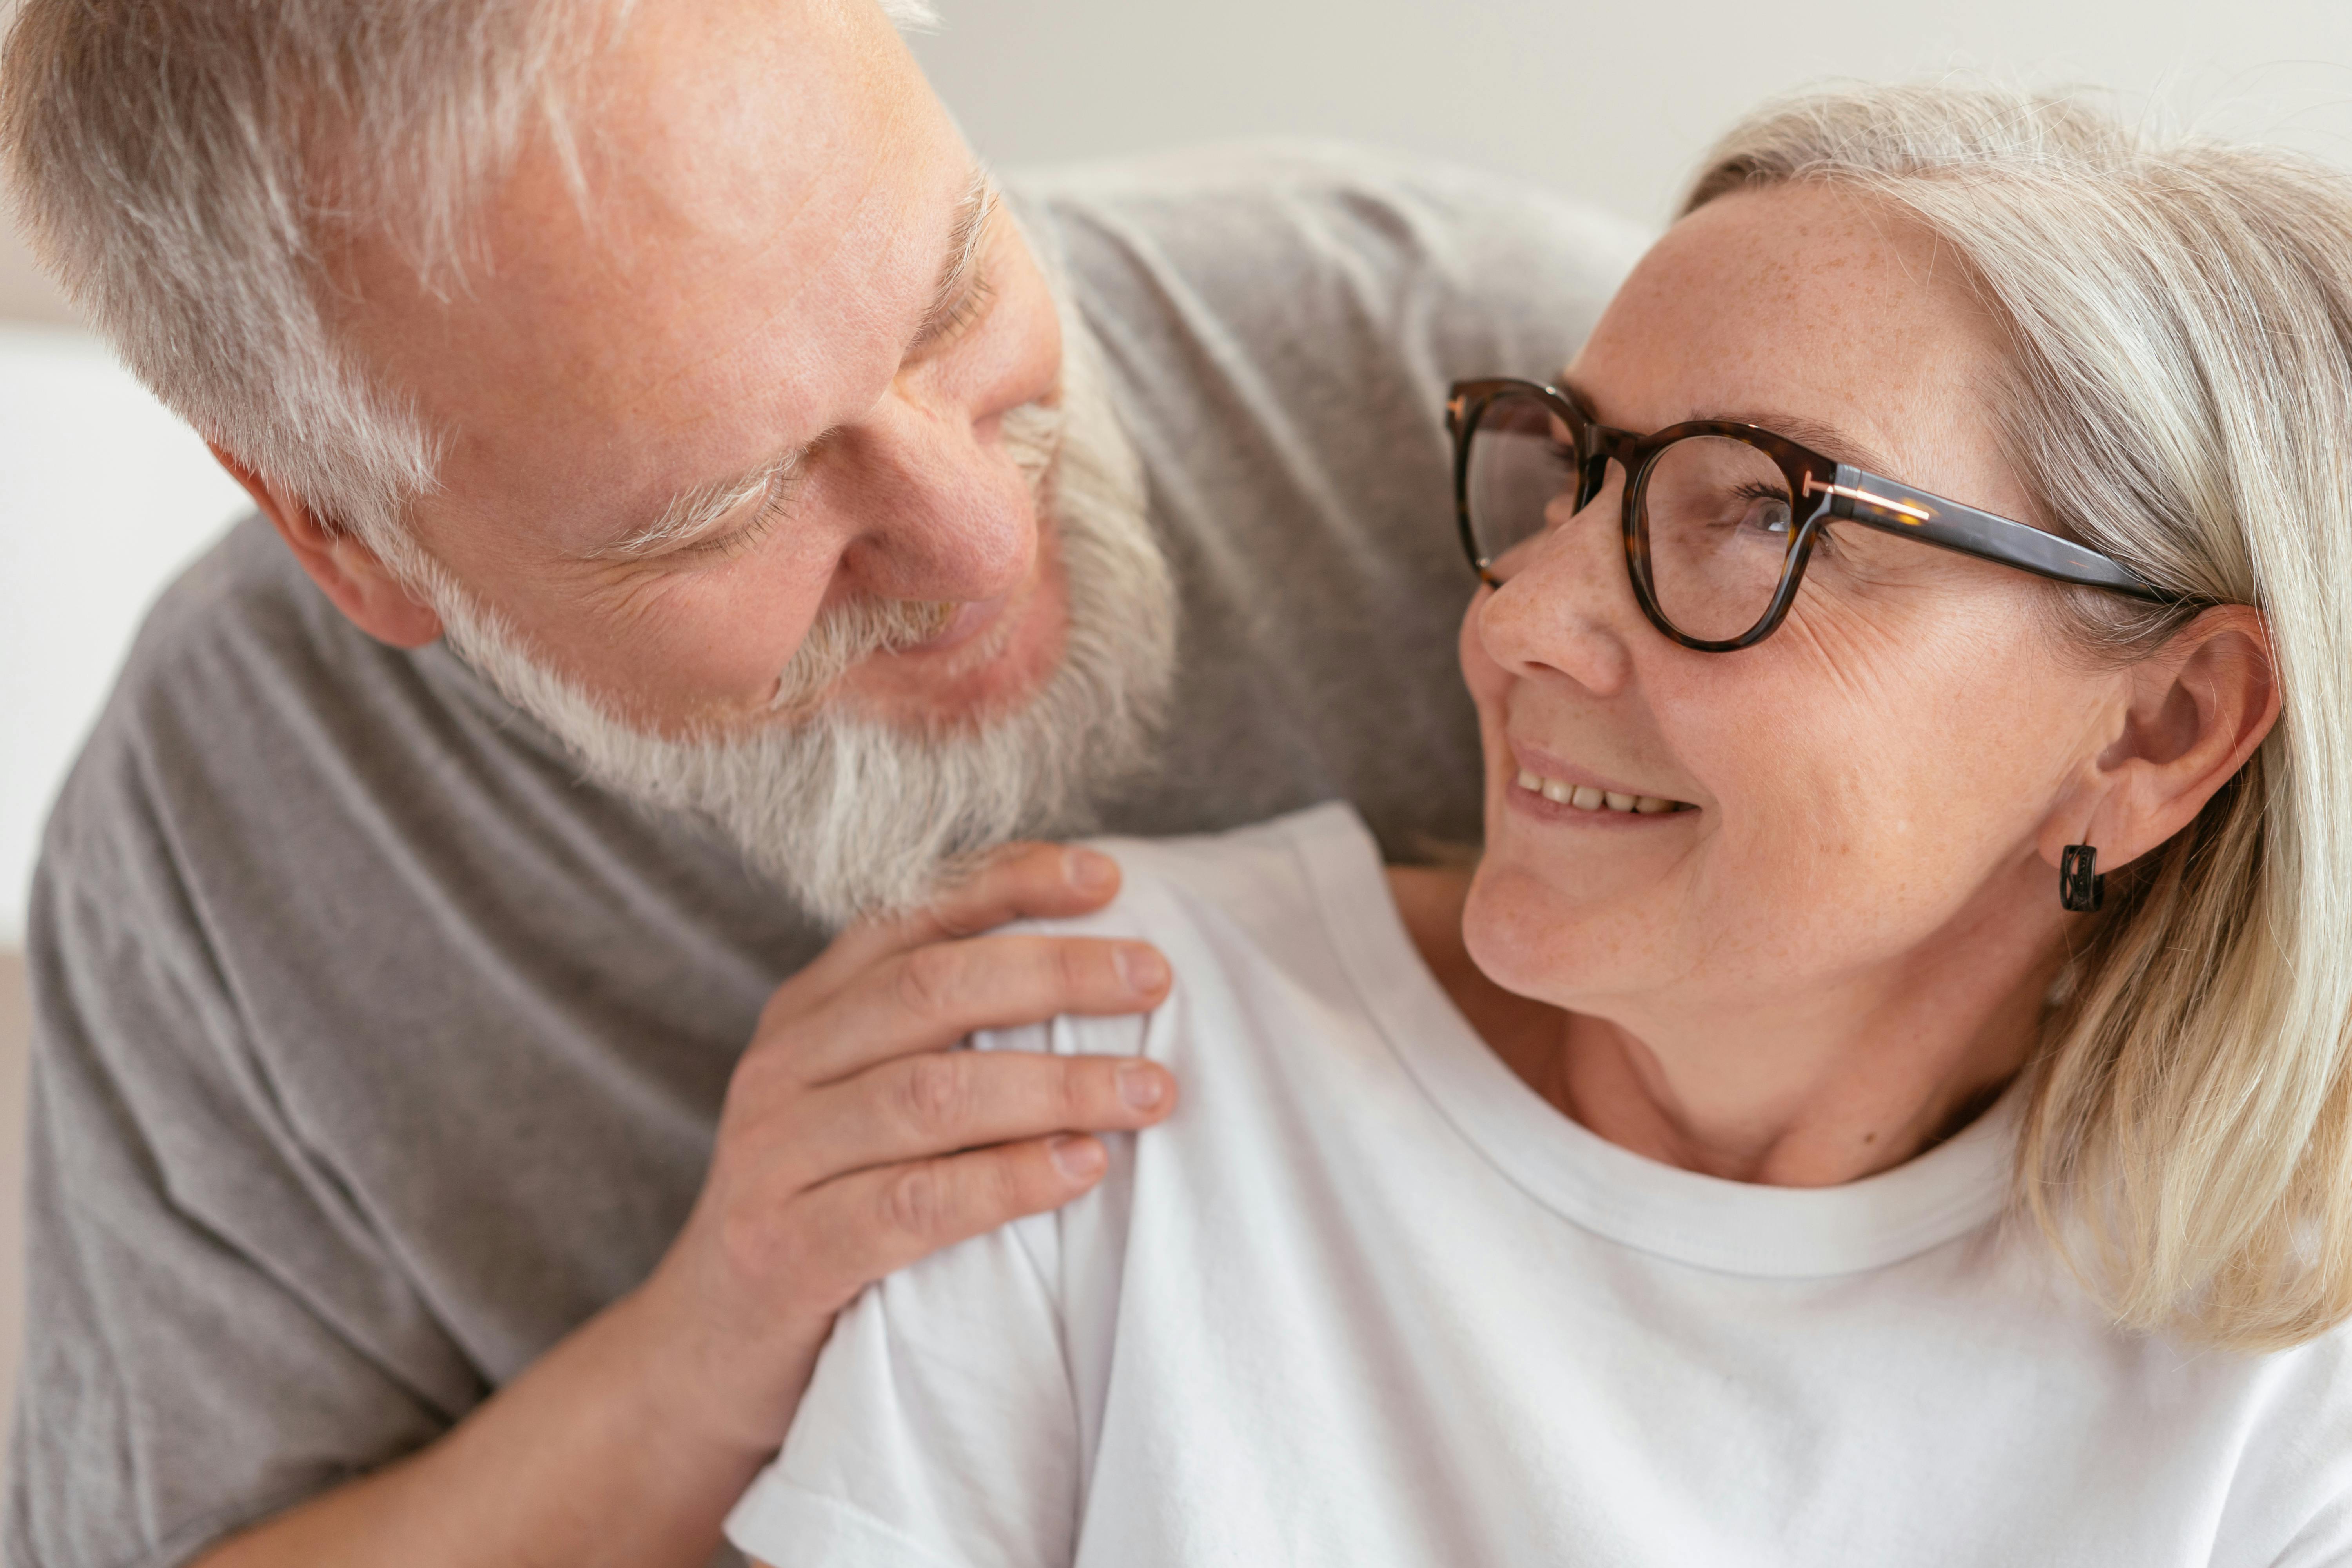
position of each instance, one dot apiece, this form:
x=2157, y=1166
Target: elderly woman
x=1881, y=1096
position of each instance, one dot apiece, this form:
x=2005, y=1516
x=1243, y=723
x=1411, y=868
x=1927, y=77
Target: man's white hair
x=191, y=171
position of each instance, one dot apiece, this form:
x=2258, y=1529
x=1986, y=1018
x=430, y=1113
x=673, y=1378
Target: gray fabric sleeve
x=212, y=1333
x=1317, y=272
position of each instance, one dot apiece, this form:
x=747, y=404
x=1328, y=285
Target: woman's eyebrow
x=1827, y=439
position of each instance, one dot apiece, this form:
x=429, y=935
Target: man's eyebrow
x=966, y=235
x=696, y=512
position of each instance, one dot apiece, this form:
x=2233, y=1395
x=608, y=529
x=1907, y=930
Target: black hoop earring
x=2080, y=887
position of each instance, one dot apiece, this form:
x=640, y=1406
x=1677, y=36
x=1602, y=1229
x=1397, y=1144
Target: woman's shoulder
x=1267, y=879
x=1267, y=875
x=2289, y=1418
x=1237, y=913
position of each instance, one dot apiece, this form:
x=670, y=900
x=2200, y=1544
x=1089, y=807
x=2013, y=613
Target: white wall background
x=1612, y=99
x=104, y=497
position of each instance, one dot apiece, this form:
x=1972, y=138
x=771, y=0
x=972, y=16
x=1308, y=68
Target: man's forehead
x=734, y=264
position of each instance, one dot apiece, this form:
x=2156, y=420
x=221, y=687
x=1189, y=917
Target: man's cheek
x=700, y=650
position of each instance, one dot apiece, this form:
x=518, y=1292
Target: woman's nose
x=1566, y=605
x=937, y=509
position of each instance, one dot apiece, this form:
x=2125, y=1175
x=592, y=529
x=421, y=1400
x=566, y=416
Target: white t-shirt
x=1367, y=1300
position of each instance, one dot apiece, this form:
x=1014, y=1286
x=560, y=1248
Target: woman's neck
x=1812, y=1091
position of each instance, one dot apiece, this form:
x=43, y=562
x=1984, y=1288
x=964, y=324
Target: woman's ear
x=346, y=571
x=2196, y=709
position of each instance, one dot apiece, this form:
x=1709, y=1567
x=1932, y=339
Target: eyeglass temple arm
x=1891, y=507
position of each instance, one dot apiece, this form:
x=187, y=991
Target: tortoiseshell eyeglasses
x=1719, y=518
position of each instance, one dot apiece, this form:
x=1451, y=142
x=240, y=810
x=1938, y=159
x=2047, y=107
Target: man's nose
x=936, y=507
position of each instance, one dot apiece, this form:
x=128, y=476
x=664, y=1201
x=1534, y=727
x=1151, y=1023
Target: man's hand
x=853, y=1141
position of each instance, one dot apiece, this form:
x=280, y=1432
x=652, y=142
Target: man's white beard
x=854, y=816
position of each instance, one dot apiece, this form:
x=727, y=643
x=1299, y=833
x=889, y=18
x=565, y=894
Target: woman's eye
x=1767, y=512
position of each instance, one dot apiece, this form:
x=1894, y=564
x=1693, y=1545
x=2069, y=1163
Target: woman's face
x=1866, y=787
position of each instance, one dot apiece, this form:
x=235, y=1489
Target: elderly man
x=481, y=1038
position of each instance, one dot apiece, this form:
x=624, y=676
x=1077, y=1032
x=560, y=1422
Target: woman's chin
x=1526, y=936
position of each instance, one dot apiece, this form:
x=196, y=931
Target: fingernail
x=1078, y=1159
x=1087, y=871
x=1139, y=1085
x=1142, y=968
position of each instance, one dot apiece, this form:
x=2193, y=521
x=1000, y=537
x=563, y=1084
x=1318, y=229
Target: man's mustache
x=848, y=635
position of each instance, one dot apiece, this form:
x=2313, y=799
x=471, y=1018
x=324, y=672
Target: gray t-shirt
x=375, y=1051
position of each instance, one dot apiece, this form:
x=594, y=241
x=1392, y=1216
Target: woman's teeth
x=1584, y=797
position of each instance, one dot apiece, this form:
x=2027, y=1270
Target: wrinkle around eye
x=1850, y=643
x=626, y=598
x=629, y=593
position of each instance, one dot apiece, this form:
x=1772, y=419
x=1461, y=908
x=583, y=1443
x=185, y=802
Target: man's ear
x=2196, y=709
x=346, y=571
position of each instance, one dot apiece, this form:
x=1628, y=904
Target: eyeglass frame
x=1849, y=494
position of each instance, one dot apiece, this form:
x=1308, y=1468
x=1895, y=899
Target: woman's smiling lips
x=1547, y=787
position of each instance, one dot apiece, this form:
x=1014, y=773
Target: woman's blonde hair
x=2180, y=319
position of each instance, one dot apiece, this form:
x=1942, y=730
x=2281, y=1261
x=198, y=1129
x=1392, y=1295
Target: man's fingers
x=936, y=1102
x=1027, y=882
x=864, y=1226
x=1022, y=881
x=930, y=997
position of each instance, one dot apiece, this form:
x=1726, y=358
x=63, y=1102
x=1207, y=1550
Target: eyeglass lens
x=1719, y=513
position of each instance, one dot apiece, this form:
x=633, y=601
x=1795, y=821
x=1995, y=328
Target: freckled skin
x=673, y=337
x=1847, y=943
